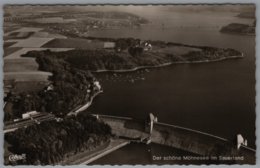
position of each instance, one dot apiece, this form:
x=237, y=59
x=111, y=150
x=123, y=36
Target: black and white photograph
x=170, y=84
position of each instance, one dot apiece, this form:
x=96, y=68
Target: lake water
x=218, y=98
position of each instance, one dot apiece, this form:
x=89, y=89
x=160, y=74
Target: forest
x=71, y=87
x=52, y=141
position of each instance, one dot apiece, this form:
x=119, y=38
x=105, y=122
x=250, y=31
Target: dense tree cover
x=132, y=55
x=210, y=53
x=135, y=51
x=238, y=28
x=70, y=88
x=50, y=142
x=125, y=43
x=135, y=56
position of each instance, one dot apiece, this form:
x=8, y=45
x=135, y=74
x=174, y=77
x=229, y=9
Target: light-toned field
x=12, y=40
x=19, y=35
x=10, y=50
x=47, y=35
x=8, y=44
x=20, y=65
x=74, y=43
x=54, y=20
x=32, y=42
x=18, y=54
x=27, y=29
x=27, y=76
x=21, y=73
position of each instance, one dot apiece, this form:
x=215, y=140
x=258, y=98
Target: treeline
x=209, y=53
x=88, y=59
x=51, y=142
x=239, y=28
x=134, y=56
x=70, y=87
x=124, y=43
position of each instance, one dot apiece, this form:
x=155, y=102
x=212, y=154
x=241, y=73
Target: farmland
x=20, y=65
x=34, y=86
x=74, y=43
x=27, y=76
x=22, y=74
x=11, y=50
x=33, y=42
x=22, y=51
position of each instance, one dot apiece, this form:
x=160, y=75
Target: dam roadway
x=193, y=141
x=126, y=130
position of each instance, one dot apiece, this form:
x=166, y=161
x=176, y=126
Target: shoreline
x=85, y=106
x=166, y=64
x=236, y=33
x=87, y=156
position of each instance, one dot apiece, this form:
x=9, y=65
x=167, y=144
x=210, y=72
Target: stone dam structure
x=193, y=141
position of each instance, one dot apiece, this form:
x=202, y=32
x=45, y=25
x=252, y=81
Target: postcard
x=129, y=84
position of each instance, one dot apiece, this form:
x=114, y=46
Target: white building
x=29, y=114
x=109, y=45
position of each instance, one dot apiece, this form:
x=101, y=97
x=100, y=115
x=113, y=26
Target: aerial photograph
x=129, y=84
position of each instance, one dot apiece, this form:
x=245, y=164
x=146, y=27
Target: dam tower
x=151, y=119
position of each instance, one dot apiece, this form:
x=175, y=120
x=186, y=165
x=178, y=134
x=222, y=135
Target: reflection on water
x=218, y=98
x=154, y=154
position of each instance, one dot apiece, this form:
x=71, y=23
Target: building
x=109, y=45
x=97, y=85
x=29, y=114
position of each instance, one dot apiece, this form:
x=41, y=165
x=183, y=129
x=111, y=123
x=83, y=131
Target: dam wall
x=186, y=139
x=125, y=127
x=200, y=143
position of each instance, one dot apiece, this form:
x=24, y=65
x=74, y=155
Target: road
x=22, y=123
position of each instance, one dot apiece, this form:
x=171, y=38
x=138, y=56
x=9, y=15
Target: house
x=109, y=45
x=50, y=87
x=147, y=46
x=29, y=114
x=97, y=85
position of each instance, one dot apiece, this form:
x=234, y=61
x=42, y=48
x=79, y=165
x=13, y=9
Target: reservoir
x=217, y=98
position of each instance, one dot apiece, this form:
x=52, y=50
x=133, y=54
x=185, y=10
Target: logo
x=15, y=157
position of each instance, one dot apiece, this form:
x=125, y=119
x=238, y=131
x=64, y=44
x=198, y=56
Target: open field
x=8, y=44
x=18, y=53
x=8, y=27
x=54, y=20
x=74, y=43
x=11, y=40
x=22, y=73
x=20, y=65
x=11, y=50
x=27, y=76
x=18, y=35
x=32, y=42
x=25, y=29
x=29, y=86
x=47, y=35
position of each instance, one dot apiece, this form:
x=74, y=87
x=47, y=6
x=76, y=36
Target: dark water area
x=154, y=154
x=217, y=97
